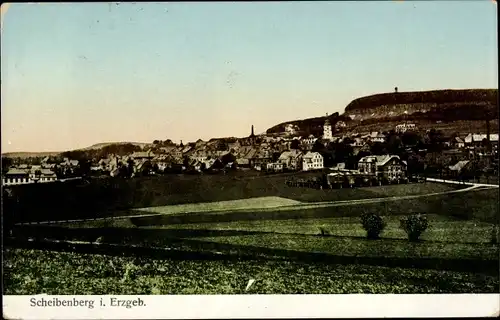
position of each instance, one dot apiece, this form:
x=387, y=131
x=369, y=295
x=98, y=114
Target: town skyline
x=141, y=72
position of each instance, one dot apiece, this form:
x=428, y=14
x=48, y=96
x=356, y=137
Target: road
x=299, y=206
x=462, y=183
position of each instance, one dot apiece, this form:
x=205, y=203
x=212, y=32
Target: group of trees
x=164, y=143
x=104, y=152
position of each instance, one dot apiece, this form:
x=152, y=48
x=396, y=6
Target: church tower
x=327, y=129
x=251, y=139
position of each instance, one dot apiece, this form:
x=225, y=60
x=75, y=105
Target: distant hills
x=30, y=154
x=105, y=144
x=459, y=111
x=96, y=146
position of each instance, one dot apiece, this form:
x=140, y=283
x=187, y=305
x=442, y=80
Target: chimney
x=252, y=134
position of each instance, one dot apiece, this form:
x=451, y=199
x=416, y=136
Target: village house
x=249, y=156
x=308, y=143
x=16, y=176
x=142, y=166
x=459, y=168
x=291, y=160
x=312, y=161
x=47, y=163
x=401, y=128
x=242, y=163
x=455, y=142
x=291, y=129
x=142, y=155
x=340, y=125
x=176, y=153
x=67, y=163
x=47, y=175
x=389, y=167
x=275, y=167
x=36, y=174
x=358, y=142
x=199, y=156
x=475, y=140
x=261, y=159
x=377, y=137
x=362, y=147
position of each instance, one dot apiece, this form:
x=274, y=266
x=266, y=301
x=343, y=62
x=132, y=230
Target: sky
x=74, y=75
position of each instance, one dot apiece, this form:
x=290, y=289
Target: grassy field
x=358, y=247
x=282, y=250
x=242, y=204
x=478, y=204
x=442, y=228
x=113, y=196
x=35, y=272
x=446, y=238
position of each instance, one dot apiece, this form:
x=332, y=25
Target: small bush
x=414, y=226
x=495, y=235
x=373, y=224
x=323, y=231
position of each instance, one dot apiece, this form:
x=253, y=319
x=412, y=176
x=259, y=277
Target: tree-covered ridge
x=309, y=126
x=489, y=96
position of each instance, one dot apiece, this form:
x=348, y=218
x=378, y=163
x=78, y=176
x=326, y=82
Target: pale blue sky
x=78, y=74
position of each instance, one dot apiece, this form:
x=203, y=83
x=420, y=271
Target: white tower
x=327, y=130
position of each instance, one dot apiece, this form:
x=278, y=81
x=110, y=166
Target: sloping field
x=242, y=204
x=111, y=197
x=441, y=228
x=478, y=204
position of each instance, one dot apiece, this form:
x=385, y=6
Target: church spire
x=252, y=134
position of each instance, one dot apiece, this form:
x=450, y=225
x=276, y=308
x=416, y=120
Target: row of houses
x=372, y=170
x=28, y=175
x=44, y=172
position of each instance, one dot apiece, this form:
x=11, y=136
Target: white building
x=478, y=138
x=275, y=166
x=291, y=129
x=340, y=125
x=36, y=174
x=312, y=161
x=308, y=142
x=327, y=130
x=377, y=137
x=400, y=128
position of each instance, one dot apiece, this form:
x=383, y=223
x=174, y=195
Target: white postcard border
x=259, y=306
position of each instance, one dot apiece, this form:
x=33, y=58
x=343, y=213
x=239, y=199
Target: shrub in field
x=130, y=272
x=414, y=225
x=323, y=231
x=373, y=224
x=495, y=235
